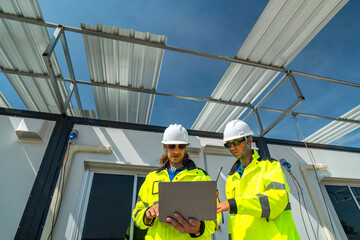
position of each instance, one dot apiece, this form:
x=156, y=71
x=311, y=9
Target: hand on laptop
x=183, y=226
x=223, y=207
x=152, y=212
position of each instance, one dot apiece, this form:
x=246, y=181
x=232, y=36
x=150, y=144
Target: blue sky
x=218, y=27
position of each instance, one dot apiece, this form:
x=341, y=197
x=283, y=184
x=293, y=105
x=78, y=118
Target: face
x=237, y=146
x=175, y=152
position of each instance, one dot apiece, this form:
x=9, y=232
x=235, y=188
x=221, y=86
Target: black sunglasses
x=235, y=143
x=173, y=146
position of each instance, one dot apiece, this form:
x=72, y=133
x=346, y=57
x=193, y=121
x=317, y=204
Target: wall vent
x=31, y=130
x=194, y=146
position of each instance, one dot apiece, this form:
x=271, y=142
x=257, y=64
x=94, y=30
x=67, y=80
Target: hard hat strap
x=241, y=159
x=246, y=148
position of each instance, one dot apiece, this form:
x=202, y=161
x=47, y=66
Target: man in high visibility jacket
x=176, y=167
x=256, y=189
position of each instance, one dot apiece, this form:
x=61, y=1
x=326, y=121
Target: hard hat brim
x=174, y=142
x=235, y=137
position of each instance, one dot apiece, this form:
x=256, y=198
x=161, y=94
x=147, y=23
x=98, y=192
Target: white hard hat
x=236, y=129
x=175, y=134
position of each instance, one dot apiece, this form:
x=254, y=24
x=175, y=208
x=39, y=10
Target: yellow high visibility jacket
x=148, y=196
x=259, y=202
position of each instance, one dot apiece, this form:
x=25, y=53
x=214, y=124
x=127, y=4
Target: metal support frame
x=258, y=120
x=282, y=116
x=266, y=96
x=149, y=91
x=73, y=87
x=40, y=22
x=46, y=56
x=60, y=34
x=325, y=117
x=299, y=100
x=128, y=88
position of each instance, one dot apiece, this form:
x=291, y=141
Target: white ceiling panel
x=284, y=28
x=21, y=48
x=336, y=129
x=125, y=64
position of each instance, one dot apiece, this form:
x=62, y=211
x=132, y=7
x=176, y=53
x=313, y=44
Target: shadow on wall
x=133, y=147
x=19, y=165
x=304, y=213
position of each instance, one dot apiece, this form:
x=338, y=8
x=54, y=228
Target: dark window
x=356, y=191
x=109, y=209
x=346, y=209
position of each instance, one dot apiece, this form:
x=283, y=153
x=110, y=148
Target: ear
x=250, y=140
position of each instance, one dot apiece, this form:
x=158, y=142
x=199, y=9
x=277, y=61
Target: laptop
x=189, y=199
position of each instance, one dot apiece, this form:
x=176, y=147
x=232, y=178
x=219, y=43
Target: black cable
x=302, y=216
x=307, y=212
x=301, y=191
x=317, y=176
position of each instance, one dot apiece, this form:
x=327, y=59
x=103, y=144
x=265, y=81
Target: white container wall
x=134, y=153
x=339, y=167
x=19, y=164
x=129, y=147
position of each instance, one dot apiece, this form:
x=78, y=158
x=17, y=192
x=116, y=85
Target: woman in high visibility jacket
x=176, y=166
x=257, y=192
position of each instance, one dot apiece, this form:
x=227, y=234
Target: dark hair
x=164, y=160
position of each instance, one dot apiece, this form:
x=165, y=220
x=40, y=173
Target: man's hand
x=223, y=207
x=152, y=212
x=192, y=226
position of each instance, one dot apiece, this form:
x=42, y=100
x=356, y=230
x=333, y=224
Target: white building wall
x=341, y=165
x=144, y=148
x=19, y=164
x=129, y=147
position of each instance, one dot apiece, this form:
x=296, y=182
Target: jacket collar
x=234, y=168
x=190, y=165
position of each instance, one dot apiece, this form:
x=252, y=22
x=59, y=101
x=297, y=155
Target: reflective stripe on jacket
x=259, y=202
x=148, y=196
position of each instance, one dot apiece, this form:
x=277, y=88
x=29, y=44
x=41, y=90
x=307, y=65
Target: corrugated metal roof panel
x=3, y=102
x=282, y=31
x=126, y=64
x=336, y=129
x=21, y=49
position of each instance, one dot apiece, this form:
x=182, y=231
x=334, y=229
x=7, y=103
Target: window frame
x=328, y=181
x=92, y=167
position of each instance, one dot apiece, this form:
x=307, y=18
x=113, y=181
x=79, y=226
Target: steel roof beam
x=73, y=87
x=142, y=90
x=300, y=99
x=46, y=56
x=282, y=116
x=258, y=120
x=38, y=75
x=166, y=47
x=60, y=34
x=268, y=94
x=325, y=117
